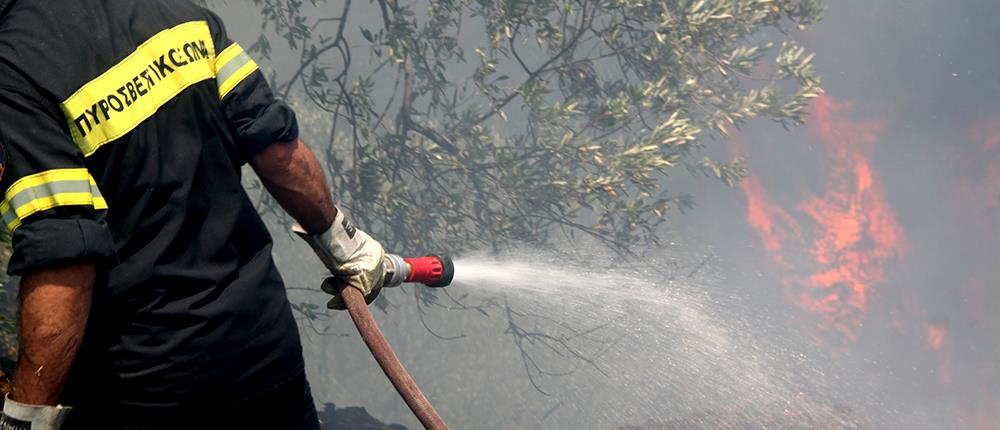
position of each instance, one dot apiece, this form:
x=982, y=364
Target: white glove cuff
x=343, y=248
x=34, y=417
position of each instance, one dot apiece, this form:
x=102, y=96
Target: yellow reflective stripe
x=227, y=55
x=46, y=190
x=80, y=199
x=37, y=179
x=232, y=67
x=116, y=102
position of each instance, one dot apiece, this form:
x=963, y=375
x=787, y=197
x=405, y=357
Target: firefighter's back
x=156, y=109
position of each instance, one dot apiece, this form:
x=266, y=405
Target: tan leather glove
x=370, y=284
x=353, y=257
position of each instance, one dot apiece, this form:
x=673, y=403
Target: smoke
x=874, y=231
x=880, y=220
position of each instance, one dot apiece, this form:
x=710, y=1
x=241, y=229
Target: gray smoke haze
x=923, y=72
x=925, y=75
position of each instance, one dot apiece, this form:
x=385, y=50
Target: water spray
x=432, y=271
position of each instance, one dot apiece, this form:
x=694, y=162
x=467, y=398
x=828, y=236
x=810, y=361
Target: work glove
x=353, y=257
x=21, y=416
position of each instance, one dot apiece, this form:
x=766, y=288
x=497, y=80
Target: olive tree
x=474, y=124
x=461, y=125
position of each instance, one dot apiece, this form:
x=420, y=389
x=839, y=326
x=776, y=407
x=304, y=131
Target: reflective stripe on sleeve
x=49, y=189
x=232, y=66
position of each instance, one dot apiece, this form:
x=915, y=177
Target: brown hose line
x=387, y=359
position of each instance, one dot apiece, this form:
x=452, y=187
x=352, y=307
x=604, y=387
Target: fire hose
x=432, y=271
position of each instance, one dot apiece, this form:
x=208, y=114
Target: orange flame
x=771, y=221
x=935, y=337
x=853, y=230
x=774, y=224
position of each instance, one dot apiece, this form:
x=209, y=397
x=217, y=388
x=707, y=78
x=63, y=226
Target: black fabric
x=4, y=7
x=258, y=124
x=77, y=239
x=194, y=310
x=286, y=405
x=256, y=119
x=34, y=140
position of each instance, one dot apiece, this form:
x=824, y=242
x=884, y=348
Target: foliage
x=463, y=124
x=468, y=124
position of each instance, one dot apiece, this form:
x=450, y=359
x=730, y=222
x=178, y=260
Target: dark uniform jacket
x=124, y=124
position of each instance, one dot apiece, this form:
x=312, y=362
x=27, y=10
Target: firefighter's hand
x=353, y=257
x=18, y=416
x=369, y=283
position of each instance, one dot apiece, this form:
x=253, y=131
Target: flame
x=935, y=337
x=772, y=222
x=852, y=231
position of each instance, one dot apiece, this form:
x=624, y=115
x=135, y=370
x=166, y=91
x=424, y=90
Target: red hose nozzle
x=432, y=270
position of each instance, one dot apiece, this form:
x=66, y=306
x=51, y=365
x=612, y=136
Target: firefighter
x=149, y=297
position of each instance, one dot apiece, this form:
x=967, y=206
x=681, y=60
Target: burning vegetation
x=850, y=230
x=834, y=250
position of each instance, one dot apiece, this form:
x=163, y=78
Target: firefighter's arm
x=291, y=173
x=267, y=136
x=55, y=303
x=55, y=213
